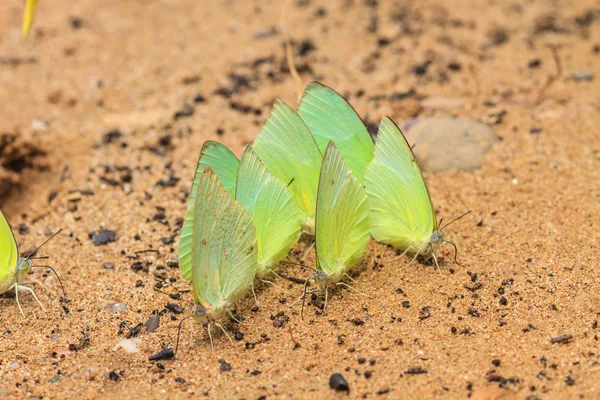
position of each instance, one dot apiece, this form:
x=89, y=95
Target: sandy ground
x=121, y=96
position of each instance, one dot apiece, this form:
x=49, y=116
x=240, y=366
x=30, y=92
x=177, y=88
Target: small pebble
x=582, y=75
x=115, y=308
x=338, y=383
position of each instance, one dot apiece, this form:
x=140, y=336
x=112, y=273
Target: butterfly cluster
x=315, y=170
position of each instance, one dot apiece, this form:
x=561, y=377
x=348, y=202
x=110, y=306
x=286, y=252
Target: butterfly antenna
x=299, y=265
x=179, y=332
x=39, y=257
x=47, y=240
x=455, y=219
x=55, y=273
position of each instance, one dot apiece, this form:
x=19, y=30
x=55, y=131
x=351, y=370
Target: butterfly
x=223, y=251
x=226, y=165
x=400, y=207
x=272, y=209
x=13, y=268
x=287, y=148
x=342, y=220
x=331, y=118
x=28, y=15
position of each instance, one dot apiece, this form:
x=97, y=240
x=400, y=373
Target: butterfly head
x=23, y=265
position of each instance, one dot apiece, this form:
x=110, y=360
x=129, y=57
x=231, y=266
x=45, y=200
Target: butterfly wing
x=401, y=210
x=271, y=207
x=28, y=16
x=9, y=252
x=342, y=225
x=224, y=163
x=288, y=150
x=329, y=117
x=224, y=251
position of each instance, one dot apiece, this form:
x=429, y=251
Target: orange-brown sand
x=530, y=247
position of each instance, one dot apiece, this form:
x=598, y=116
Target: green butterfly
x=225, y=164
x=224, y=250
x=13, y=268
x=288, y=150
x=342, y=222
x=329, y=117
x=271, y=207
x=401, y=210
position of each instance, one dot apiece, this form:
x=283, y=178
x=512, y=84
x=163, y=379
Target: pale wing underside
x=342, y=228
x=400, y=208
x=329, y=117
x=224, y=245
x=272, y=209
x=288, y=150
x=9, y=252
x=225, y=165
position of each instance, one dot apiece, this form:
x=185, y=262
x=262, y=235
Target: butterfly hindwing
x=225, y=164
x=401, y=211
x=330, y=117
x=342, y=226
x=272, y=209
x=224, y=251
x=9, y=252
x=288, y=150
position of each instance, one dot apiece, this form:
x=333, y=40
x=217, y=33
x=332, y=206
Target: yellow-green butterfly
x=401, y=210
x=224, y=250
x=13, y=268
x=272, y=209
x=330, y=117
x=225, y=164
x=288, y=150
x=342, y=222
x=28, y=16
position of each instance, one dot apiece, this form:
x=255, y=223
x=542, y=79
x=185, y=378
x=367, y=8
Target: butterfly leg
x=225, y=332
x=39, y=283
x=212, y=348
x=20, y=287
x=254, y=294
x=352, y=288
x=273, y=284
x=414, y=258
x=435, y=259
x=191, y=333
x=400, y=256
x=306, y=251
x=233, y=317
x=16, y=287
x=326, y=295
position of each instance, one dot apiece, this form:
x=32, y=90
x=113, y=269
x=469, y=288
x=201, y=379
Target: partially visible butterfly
x=224, y=251
x=272, y=209
x=13, y=269
x=28, y=16
x=401, y=210
x=330, y=117
x=289, y=151
x=225, y=164
x=342, y=223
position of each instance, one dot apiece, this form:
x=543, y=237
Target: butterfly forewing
x=271, y=207
x=290, y=153
x=342, y=228
x=224, y=253
x=329, y=117
x=401, y=211
x=9, y=252
x=225, y=165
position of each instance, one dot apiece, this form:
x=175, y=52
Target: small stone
x=113, y=376
x=115, y=308
x=583, y=76
x=165, y=354
x=338, y=383
x=74, y=197
x=90, y=372
x=225, y=366
x=443, y=143
x=103, y=236
x=384, y=345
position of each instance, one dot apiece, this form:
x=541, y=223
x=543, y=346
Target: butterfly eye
x=200, y=310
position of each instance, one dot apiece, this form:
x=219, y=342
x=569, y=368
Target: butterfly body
x=17, y=277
